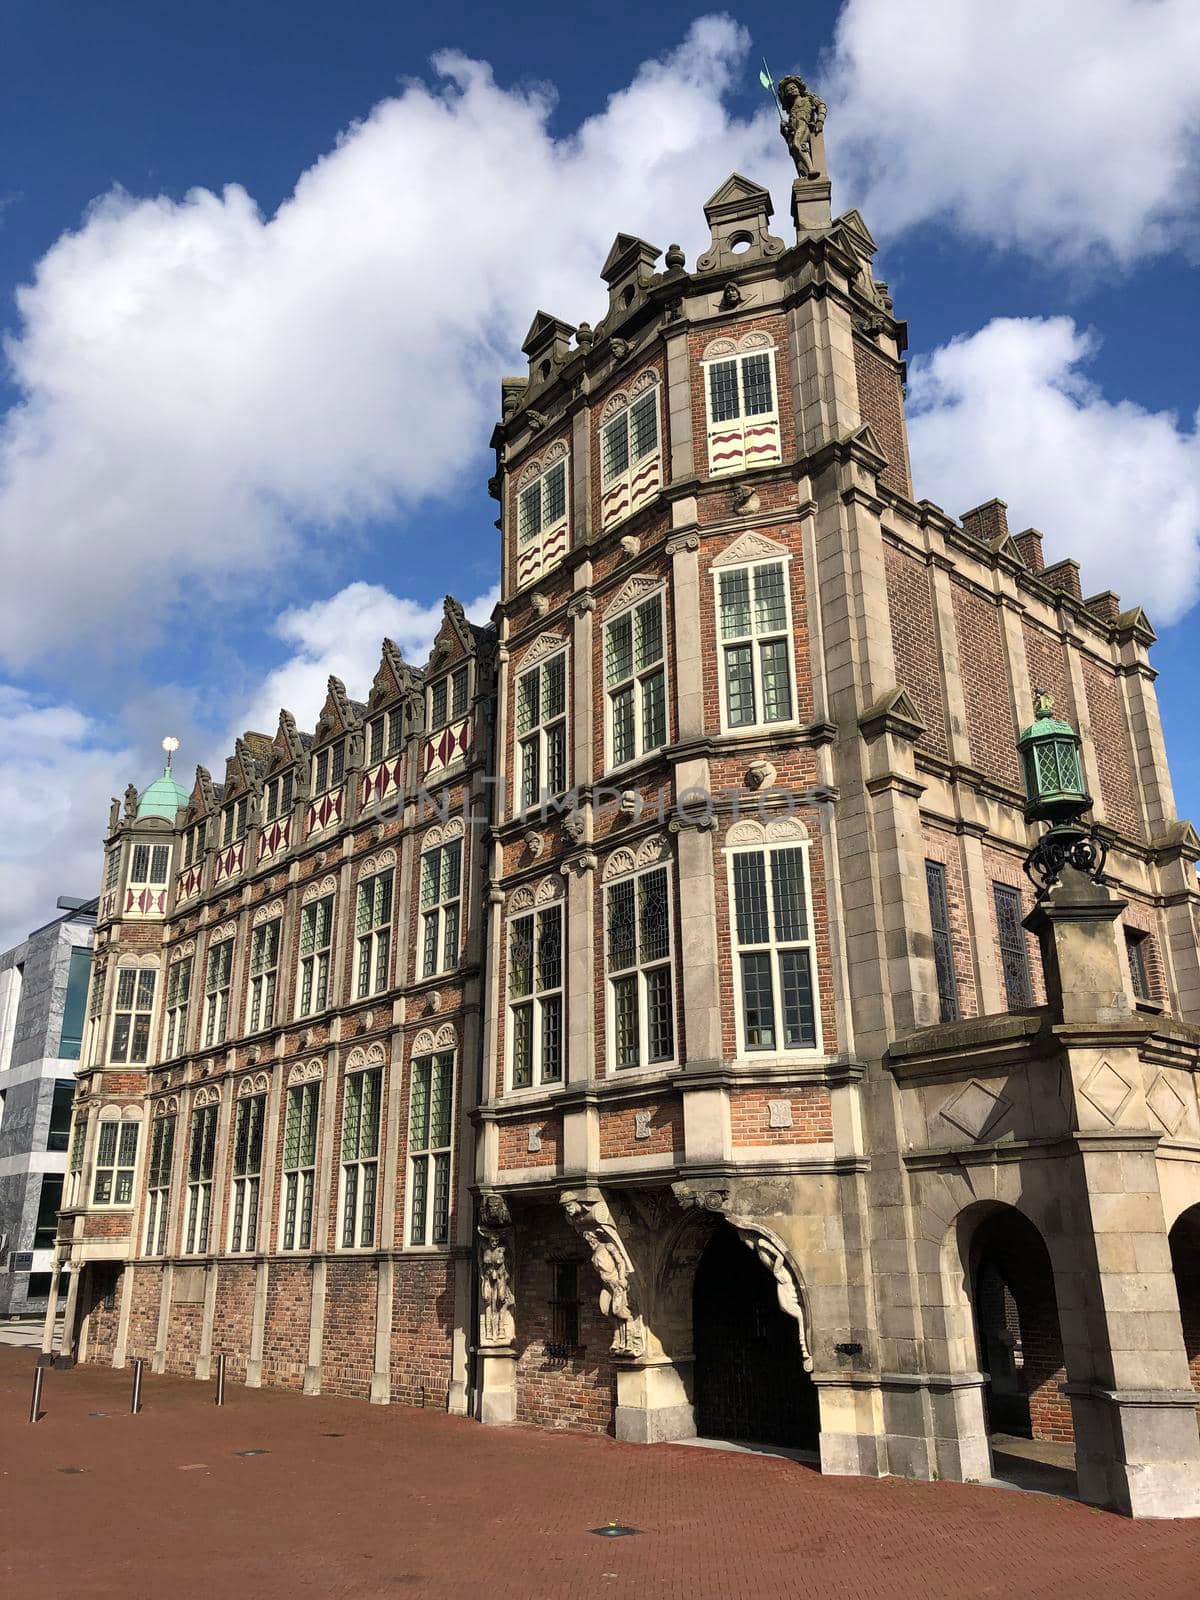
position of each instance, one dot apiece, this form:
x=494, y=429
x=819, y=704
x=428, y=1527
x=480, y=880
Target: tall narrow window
x=373, y=931
x=542, y=522
x=441, y=894
x=385, y=735
x=218, y=982
x=360, y=1157
x=279, y=795
x=158, y=1192
x=329, y=767
x=564, y=1310
x=75, y=1005
x=943, y=949
x=448, y=698
x=756, y=644
x=1014, y=948
x=640, y=970
x=149, y=864
x=132, y=1013
x=635, y=678
x=542, y=730
x=235, y=820
x=59, y=1132
x=45, y=1229
x=299, y=1165
x=1137, y=946
x=429, y=1149
x=112, y=868
x=116, y=1157
x=202, y=1152
x=630, y=458
x=773, y=939
x=535, y=975
x=316, y=939
x=247, y=1170
x=193, y=845
x=743, y=418
x=264, y=970
x=179, y=988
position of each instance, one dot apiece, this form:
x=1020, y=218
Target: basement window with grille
x=564, y=1310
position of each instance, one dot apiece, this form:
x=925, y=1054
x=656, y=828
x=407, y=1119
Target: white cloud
x=1010, y=411
x=57, y=771
x=205, y=387
x=1071, y=128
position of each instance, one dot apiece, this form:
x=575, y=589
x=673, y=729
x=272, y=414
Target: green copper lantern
x=1052, y=767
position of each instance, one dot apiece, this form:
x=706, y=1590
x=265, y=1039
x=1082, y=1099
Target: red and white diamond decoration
x=324, y=811
x=447, y=745
x=378, y=782
x=187, y=882
x=229, y=860
x=145, y=902
x=275, y=837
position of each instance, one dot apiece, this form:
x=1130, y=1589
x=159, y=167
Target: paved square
x=358, y=1501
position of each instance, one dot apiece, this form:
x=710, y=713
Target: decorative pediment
x=543, y=330
x=427, y=1041
x=628, y=251
x=751, y=547
x=287, y=745
x=377, y=863
x=1136, y=622
x=546, y=644
x=337, y=714
x=306, y=1071
x=317, y=891
x=253, y=1083
x=393, y=679
x=866, y=440
x=454, y=637
x=203, y=799
x=267, y=912
x=545, y=458
x=738, y=196
x=779, y=830
x=373, y=1056
x=852, y=221
x=893, y=712
x=632, y=590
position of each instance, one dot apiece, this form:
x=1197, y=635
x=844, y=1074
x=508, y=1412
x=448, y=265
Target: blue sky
x=252, y=371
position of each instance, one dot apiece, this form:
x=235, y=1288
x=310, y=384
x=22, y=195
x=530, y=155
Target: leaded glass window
x=179, y=989
x=638, y=949
x=635, y=680
x=535, y=985
x=441, y=901
x=158, y=1189
x=360, y=1156
x=149, y=864
x=316, y=940
x=116, y=1158
x=132, y=1013
x=542, y=730
x=202, y=1149
x=299, y=1165
x=743, y=415
x=943, y=948
x=373, y=933
x=429, y=1149
x=1137, y=947
x=279, y=795
x=627, y=439
x=218, y=982
x=543, y=503
x=754, y=617
x=1014, y=947
x=248, y=1126
x=773, y=947
x=264, y=972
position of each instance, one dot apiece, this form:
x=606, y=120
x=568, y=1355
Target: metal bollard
x=135, y=1400
x=221, y=1380
x=36, y=1407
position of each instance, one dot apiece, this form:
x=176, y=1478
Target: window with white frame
x=772, y=929
x=264, y=972
x=630, y=458
x=218, y=982
x=202, y=1151
x=299, y=1165
x=542, y=730
x=112, y=868
x=316, y=941
x=179, y=990
x=278, y=795
x=193, y=844
x=635, y=681
x=743, y=414
x=360, y=1156
x=249, y=1121
x=234, y=821
x=116, y=1158
x=441, y=898
x=132, y=1013
x=373, y=932
x=149, y=864
x=754, y=617
x=641, y=978
x=329, y=767
x=542, y=521
x=75, y=1159
x=385, y=735
x=449, y=697
x=429, y=1149
x=158, y=1189
x=535, y=997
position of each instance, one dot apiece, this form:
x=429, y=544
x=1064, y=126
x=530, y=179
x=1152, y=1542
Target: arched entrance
x=750, y=1382
x=1016, y=1321
x=1185, y=1260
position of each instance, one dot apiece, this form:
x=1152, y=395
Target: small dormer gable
x=548, y=346
x=337, y=714
x=738, y=215
x=628, y=271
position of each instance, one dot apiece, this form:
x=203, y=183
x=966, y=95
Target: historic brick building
x=638, y=1017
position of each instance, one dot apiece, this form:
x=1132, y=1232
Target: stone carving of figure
x=495, y=1290
x=805, y=119
x=131, y=800
x=114, y=814
x=787, y=1291
x=593, y=1221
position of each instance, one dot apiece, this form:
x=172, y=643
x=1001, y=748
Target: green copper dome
x=163, y=798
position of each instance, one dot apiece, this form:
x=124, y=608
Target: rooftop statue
x=804, y=114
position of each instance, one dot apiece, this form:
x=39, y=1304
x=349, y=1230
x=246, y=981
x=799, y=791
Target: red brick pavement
x=418, y=1503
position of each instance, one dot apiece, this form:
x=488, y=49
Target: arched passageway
x=750, y=1382
x=1017, y=1328
x=1185, y=1260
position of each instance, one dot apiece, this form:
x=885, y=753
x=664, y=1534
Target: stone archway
x=750, y=1381
x=1184, y=1240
